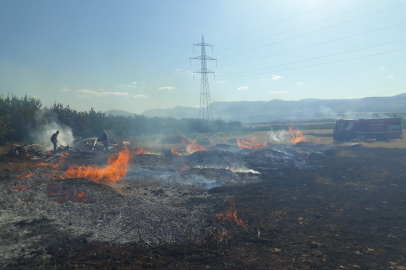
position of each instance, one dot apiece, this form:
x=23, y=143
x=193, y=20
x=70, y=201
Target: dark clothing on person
x=54, y=140
x=105, y=139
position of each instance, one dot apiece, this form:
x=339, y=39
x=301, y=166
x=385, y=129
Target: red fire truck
x=382, y=129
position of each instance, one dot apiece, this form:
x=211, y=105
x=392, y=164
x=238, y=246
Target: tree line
x=19, y=116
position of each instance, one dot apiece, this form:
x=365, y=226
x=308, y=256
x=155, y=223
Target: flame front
x=231, y=216
x=251, y=144
x=194, y=147
x=141, y=151
x=20, y=188
x=115, y=170
x=176, y=151
x=297, y=135
x=25, y=175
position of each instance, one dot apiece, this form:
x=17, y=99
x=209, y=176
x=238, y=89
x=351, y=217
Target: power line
x=313, y=31
x=173, y=70
x=279, y=22
x=337, y=61
x=313, y=58
x=244, y=13
x=389, y=90
x=305, y=47
x=300, y=26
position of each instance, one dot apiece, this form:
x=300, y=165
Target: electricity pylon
x=205, y=111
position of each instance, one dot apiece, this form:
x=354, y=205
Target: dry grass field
x=323, y=136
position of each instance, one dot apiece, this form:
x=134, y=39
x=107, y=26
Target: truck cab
x=344, y=130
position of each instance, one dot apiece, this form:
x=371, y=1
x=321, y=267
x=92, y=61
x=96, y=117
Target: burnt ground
x=346, y=212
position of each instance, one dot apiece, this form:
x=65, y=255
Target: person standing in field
x=105, y=139
x=54, y=139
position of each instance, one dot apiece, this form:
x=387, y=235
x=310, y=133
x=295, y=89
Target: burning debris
x=297, y=135
x=115, y=170
x=245, y=144
x=194, y=147
x=230, y=216
x=176, y=151
x=25, y=175
x=20, y=188
x=189, y=149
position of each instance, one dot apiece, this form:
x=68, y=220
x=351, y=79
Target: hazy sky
x=134, y=55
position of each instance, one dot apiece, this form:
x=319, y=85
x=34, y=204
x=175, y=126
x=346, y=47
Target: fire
x=194, y=147
x=183, y=169
x=48, y=153
x=183, y=141
x=231, y=216
x=251, y=144
x=115, y=170
x=297, y=136
x=20, y=188
x=60, y=200
x=43, y=164
x=62, y=158
x=141, y=151
x=25, y=175
x=176, y=151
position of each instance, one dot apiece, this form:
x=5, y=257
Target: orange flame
x=25, y=175
x=115, y=170
x=60, y=200
x=231, y=216
x=183, y=169
x=194, y=147
x=176, y=151
x=62, y=158
x=297, y=136
x=48, y=153
x=141, y=151
x=183, y=141
x=20, y=188
x=251, y=144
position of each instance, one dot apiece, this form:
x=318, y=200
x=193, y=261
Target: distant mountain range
x=281, y=110
x=119, y=113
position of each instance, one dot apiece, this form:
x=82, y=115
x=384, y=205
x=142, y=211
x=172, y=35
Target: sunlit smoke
x=281, y=136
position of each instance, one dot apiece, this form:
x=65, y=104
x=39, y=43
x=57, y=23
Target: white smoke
x=281, y=136
x=45, y=127
x=42, y=135
x=328, y=113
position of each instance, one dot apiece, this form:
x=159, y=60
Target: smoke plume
x=46, y=125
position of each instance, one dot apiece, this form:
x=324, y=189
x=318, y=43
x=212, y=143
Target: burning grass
x=194, y=147
x=190, y=148
x=245, y=144
x=20, y=188
x=115, y=170
x=25, y=175
x=230, y=216
x=297, y=135
x=176, y=151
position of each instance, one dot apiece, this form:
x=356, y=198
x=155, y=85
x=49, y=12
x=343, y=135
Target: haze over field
x=134, y=55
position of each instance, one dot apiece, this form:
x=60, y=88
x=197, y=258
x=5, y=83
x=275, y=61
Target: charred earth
x=234, y=205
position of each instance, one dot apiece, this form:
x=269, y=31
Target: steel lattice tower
x=205, y=111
